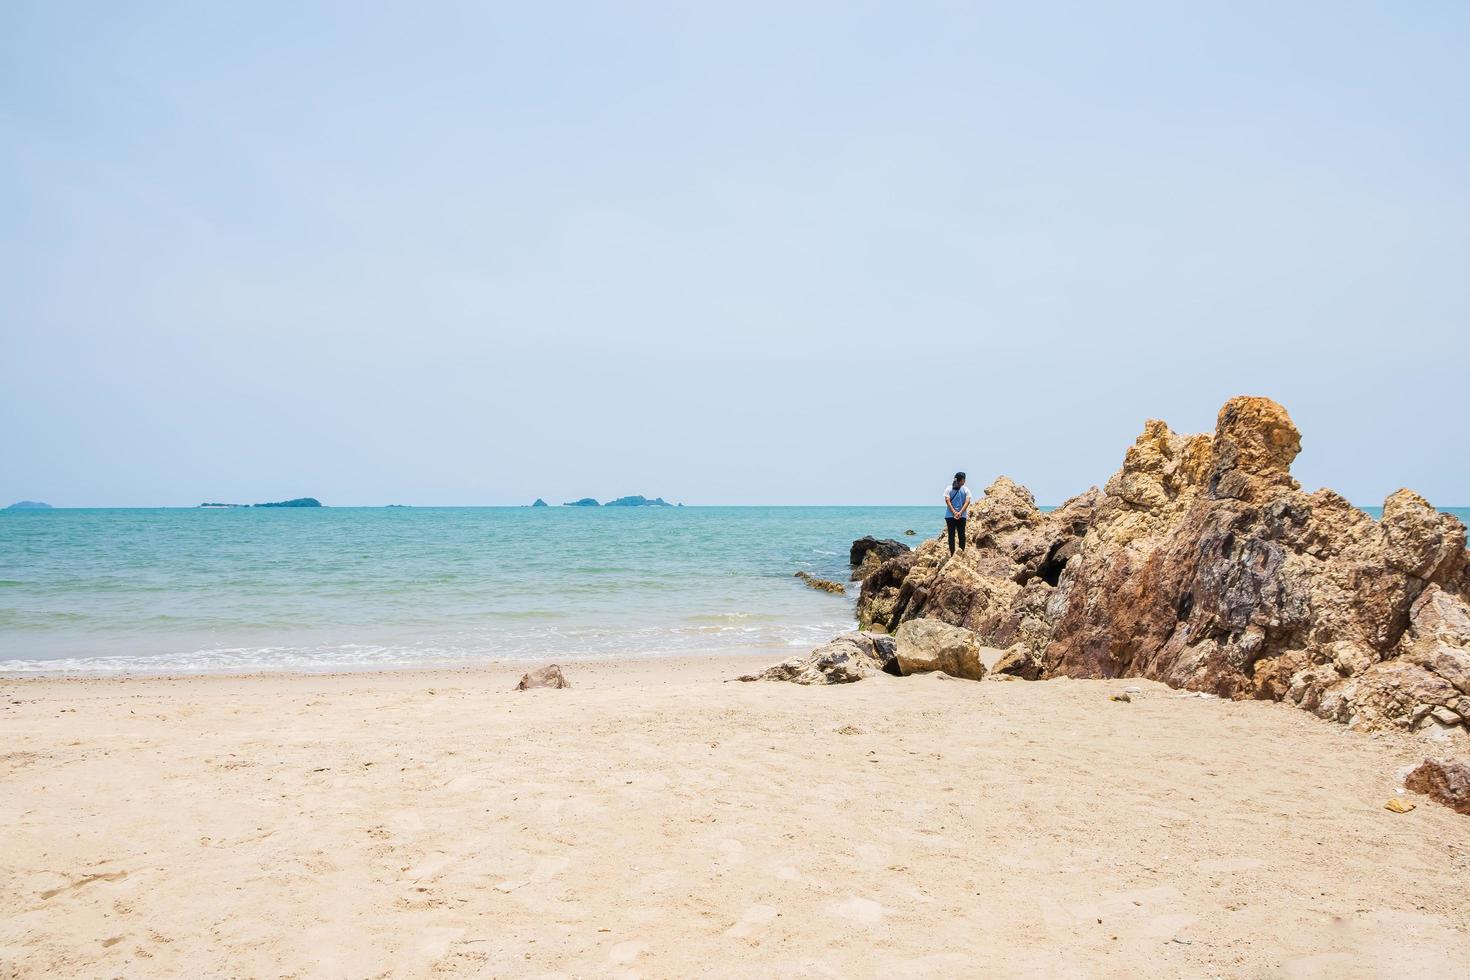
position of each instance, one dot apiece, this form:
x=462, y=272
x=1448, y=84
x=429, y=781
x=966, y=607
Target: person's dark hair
x=960, y=475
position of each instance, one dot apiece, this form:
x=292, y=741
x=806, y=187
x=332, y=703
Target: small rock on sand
x=549, y=676
x=849, y=657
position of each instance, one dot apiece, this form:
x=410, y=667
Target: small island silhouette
x=294, y=502
x=636, y=500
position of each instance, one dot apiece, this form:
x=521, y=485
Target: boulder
x=549, y=676
x=847, y=658
x=1202, y=564
x=1445, y=780
x=925, y=645
x=884, y=548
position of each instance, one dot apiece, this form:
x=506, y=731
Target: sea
x=188, y=591
x=170, y=591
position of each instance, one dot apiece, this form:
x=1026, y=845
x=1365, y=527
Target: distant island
x=540, y=503
x=29, y=505
x=584, y=502
x=638, y=500
x=295, y=502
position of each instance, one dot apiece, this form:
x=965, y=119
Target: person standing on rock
x=957, y=510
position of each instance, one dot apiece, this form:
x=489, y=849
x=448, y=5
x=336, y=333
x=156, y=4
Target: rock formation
x=1445, y=780
x=847, y=658
x=822, y=584
x=868, y=553
x=884, y=549
x=29, y=505
x=1201, y=563
x=538, y=502
x=548, y=676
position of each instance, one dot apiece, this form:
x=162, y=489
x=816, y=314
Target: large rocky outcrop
x=1203, y=564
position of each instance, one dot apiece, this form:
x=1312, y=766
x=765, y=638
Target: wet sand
x=655, y=821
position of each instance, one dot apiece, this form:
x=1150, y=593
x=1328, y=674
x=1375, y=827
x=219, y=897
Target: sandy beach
x=656, y=821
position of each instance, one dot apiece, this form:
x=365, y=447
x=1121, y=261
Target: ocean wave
x=564, y=644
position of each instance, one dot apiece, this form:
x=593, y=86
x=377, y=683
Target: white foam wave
x=559, y=643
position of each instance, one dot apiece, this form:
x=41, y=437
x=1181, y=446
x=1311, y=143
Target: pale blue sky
x=820, y=253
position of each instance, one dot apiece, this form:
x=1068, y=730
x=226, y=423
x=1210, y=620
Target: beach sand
x=655, y=821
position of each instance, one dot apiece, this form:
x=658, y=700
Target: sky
x=724, y=253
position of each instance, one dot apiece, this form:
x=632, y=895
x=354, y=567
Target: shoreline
x=518, y=665
x=656, y=819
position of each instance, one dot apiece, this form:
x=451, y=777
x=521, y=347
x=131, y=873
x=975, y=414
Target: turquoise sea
x=180, y=590
x=184, y=591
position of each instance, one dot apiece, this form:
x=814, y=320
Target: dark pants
x=952, y=526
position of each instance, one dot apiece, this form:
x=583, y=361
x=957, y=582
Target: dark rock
x=549, y=676
x=1444, y=780
x=540, y=503
x=584, y=502
x=294, y=502
x=638, y=500
x=29, y=505
x=884, y=549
